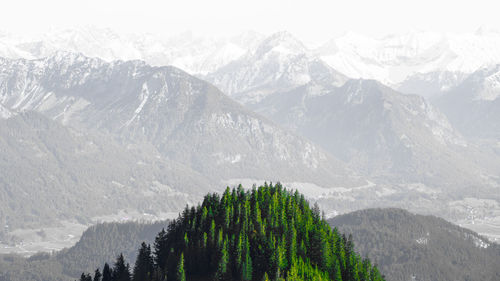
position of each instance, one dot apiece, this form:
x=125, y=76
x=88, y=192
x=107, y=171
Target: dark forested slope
x=415, y=247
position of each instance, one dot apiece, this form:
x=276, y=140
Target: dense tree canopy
x=266, y=233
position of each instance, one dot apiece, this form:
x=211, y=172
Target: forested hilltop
x=266, y=233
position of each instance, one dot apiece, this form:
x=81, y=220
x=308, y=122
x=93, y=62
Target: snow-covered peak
x=66, y=57
x=194, y=53
x=281, y=42
x=485, y=83
x=394, y=58
x=391, y=59
x=64, y=61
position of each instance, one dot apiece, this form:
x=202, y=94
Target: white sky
x=311, y=20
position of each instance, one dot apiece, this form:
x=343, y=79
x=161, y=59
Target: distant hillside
x=415, y=247
x=99, y=243
x=49, y=172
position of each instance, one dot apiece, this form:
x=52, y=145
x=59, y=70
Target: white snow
x=222, y=157
x=144, y=98
x=422, y=240
x=393, y=58
x=389, y=59
x=4, y=112
x=490, y=88
x=480, y=243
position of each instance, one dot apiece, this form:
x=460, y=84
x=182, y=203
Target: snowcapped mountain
x=393, y=59
x=391, y=136
x=279, y=62
x=194, y=54
x=484, y=84
x=474, y=105
x=186, y=119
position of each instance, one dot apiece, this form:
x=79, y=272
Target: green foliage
x=181, y=274
x=267, y=233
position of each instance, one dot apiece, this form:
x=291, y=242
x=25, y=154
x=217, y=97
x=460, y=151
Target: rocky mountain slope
x=382, y=132
x=170, y=109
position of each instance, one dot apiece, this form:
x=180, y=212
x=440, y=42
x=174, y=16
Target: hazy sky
x=311, y=20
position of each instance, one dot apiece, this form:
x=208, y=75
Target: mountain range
x=377, y=130
x=390, y=59
x=70, y=118
x=184, y=114
x=168, y=108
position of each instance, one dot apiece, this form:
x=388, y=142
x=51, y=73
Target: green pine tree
x=180, y=273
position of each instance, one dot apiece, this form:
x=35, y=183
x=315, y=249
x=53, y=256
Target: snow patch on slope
x=144, y=98
x=4, y=112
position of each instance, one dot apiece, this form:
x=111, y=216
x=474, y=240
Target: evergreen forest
x=265, y=233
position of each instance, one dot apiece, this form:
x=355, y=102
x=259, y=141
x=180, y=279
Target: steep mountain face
x=278, y=63
x=415, y=247
x=168, y=108
x=51, y=173
x=474, y=105
x=374, y=128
